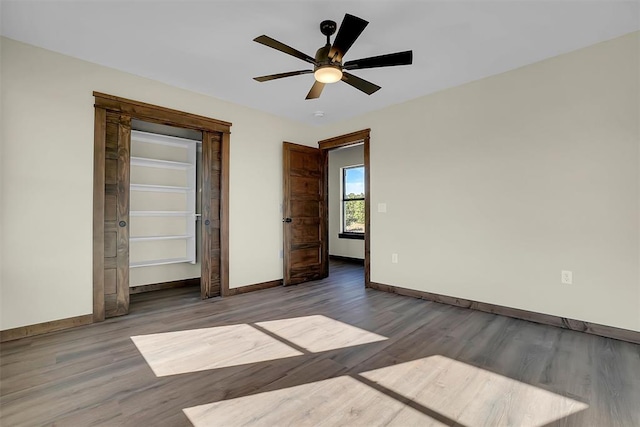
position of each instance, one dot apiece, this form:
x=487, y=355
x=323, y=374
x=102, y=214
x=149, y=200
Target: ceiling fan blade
x=360, y=84
x=349, y=31
x=282, y=75
x=389, y=60
x=275, y=44
x=315, y=91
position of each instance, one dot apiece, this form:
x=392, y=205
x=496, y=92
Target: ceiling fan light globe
x=328, y=74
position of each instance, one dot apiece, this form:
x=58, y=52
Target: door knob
x=287, y=220
x=207, y=222
x=122, y=223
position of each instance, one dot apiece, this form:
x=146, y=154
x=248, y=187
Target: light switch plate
x=382, y=207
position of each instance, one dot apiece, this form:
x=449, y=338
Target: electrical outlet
x=394, y=258
x=566, y=277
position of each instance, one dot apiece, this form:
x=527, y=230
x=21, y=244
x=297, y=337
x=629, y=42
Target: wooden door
x=305, y=240
x=117, y=143
x=211, y=214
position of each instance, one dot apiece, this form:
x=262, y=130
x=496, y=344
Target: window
x=353, y=202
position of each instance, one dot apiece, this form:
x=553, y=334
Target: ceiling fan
x=328, y=66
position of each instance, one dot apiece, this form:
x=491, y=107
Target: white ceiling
x=207, y=47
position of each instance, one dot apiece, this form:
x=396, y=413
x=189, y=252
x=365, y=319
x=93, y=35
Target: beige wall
x=491, y=188
x=47, y=169
x=494, y=187
x=338, y=159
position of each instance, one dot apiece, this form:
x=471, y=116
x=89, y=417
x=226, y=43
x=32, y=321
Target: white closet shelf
x=156, y=163
x=180, y=161
x=160, y=262
x=152, y=238
x=160, y=188
x=162, y=213
x=155, y=138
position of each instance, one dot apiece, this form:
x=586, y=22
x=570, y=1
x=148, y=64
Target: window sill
x=355, y=236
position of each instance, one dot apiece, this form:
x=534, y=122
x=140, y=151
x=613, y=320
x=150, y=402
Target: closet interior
x=165, y=204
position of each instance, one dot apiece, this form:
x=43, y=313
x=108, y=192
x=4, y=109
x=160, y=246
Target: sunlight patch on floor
x=471, y=395
x=337, y=401
x=180, y=352
x=319, y=333
x=442, y=391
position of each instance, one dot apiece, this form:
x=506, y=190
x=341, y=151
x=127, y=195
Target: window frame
x=358, y=235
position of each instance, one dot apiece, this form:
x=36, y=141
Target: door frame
x=161, y=115
x=361, y=136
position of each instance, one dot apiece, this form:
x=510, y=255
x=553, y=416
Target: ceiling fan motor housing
x=322, y=57
x=325, y=69
x=328, y=27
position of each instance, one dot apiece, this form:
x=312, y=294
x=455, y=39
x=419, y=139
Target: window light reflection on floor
x=337, y=401
x=443, y=391
x=195, y=350
x=471, y=395
x=319, y=333
x=180, y=352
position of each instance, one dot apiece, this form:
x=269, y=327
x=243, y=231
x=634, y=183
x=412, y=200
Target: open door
x=305, y=240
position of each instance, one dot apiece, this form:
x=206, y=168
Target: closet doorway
x=116, y=119
x=164, y=208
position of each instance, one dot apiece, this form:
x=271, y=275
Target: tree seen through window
x=353, y=199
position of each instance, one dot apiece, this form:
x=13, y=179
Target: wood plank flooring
x=328, y=352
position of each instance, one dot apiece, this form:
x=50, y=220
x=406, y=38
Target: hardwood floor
x=328, y=352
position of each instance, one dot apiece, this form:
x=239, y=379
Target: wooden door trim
x=220, y=218
x=344, y=140
x=286, y=188
x=99, y=141
x=205, y=214
x=224, y=216
x=353, y=138
x=156, y=114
